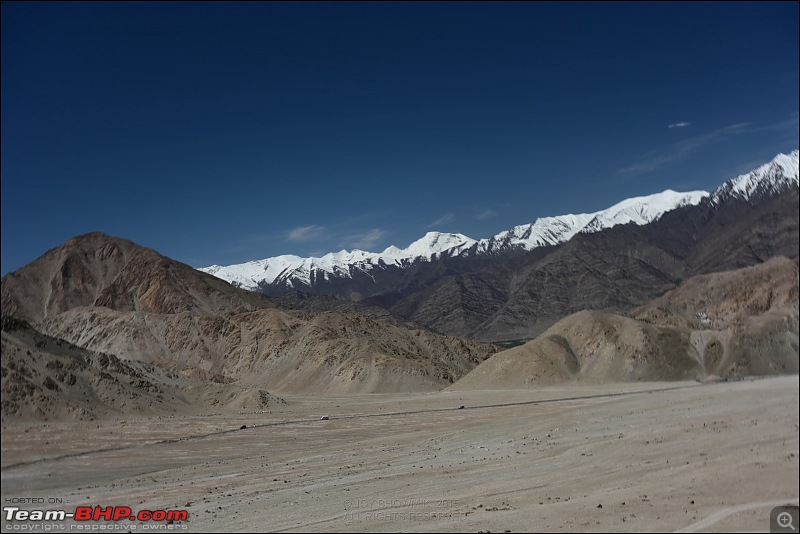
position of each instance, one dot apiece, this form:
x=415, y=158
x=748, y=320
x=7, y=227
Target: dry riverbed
x=614, y=457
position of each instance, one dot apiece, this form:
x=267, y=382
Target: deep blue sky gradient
x=227, y=132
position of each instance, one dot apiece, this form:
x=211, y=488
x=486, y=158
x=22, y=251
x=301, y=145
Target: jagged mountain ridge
x=358, y=274
x=276, y=275
x=765, y=181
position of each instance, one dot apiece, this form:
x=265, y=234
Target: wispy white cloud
x=655, y=160
x=486, y=213
x=789, y=124
x=679, y=125
x=650, y=163
x=446, y=218
x=306, y=233
x=366, y=240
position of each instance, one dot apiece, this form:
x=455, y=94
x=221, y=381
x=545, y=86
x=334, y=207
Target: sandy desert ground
x=623, y=457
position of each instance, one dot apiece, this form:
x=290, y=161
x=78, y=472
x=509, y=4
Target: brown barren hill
x=589, y=346
x=98, y=270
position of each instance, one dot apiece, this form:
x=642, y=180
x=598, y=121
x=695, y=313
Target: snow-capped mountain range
x=291, y=271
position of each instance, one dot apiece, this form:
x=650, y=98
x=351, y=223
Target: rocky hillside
x=288, y=352
x=47, y=378
x=731, y=324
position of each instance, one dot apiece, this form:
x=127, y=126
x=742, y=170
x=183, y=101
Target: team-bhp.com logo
x=94, y=513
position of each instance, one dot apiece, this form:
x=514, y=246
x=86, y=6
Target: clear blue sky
x=224, y=132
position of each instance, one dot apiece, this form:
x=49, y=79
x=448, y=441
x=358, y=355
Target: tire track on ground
x=719, y=515
x=341, y=418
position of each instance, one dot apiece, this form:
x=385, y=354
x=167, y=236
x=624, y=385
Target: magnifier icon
x=785, y=521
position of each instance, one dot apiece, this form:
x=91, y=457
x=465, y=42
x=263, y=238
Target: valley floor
x=621, y=457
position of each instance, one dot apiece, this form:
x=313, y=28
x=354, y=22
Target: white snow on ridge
x=287, y=270
x=434, y=243
x=546, y=231
x=247, y=275
x=542, y=232
x=778, y=175
x=643, y=210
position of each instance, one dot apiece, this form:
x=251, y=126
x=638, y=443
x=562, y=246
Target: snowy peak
x=434, y=243
x=770, y=179
x=248, y=274
x=542, y=232
x=642, y=210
